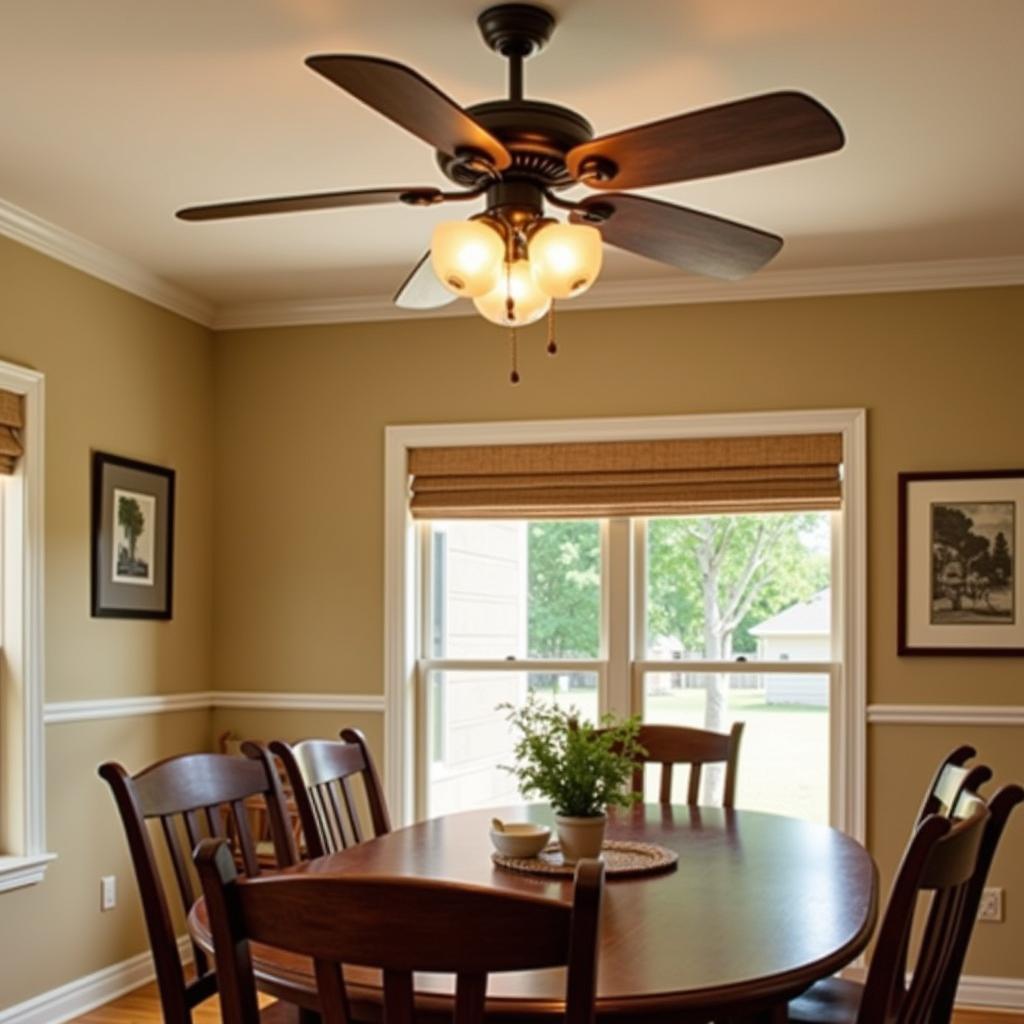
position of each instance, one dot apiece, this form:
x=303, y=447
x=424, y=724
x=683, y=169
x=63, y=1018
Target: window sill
x=18, y=872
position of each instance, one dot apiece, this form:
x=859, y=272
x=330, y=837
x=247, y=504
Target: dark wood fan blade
x=312, y=201
x=422, y=290
x=756, y=132
x=684, y=238
x=408, y=99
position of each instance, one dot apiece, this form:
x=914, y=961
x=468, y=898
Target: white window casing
x=621, y=665
x=23, y=854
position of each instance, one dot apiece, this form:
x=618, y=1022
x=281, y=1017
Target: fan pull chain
x=552, y=344
x=510, y=303
x=514, y=375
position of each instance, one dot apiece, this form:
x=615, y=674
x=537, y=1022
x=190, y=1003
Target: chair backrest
x=398, y=925
x=1000, y=808
x=321, y=773
x=953, y=777
x=193, y=796
x=669, y=745
x=943, y=859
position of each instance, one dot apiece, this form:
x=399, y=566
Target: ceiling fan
x=518, y=154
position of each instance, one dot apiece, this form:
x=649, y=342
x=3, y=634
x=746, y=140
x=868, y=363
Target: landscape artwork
x=134, y=525
x=972, y=563
x=132, y=538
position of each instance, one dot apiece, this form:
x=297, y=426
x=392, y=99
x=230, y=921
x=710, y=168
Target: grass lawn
x=783, y=758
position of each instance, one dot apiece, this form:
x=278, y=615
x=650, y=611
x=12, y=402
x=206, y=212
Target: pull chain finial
x=552, y=344
x=514, y=375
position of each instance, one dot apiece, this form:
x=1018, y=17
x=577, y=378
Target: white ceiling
x=114, y=113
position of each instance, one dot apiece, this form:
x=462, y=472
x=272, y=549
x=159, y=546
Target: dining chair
x=952, y=777
x=1000, y=807
x=321, y=773
x=946, y=858
x=399, y=925
x=193, y=796
x=669, y=745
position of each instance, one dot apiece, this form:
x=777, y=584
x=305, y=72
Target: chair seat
x=832, y=1001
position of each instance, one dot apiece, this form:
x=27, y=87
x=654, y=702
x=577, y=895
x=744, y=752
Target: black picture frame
x=935, y=489
x=138, y=584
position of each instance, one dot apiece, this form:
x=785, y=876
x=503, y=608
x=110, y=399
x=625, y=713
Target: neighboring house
x=800, y=633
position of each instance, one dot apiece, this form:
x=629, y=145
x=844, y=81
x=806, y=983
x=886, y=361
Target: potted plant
x=580, y=768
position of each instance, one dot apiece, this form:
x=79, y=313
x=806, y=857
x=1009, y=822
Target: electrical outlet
x=991, y=906
x=108, y=892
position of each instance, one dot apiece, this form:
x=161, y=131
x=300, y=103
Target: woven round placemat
x=620, y=858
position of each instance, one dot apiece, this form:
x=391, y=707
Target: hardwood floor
x=143, y=1007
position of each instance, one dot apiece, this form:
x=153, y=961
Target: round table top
x=758, y=908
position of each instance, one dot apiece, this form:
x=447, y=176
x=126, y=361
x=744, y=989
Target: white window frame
x=23, y=856
x=621, y=666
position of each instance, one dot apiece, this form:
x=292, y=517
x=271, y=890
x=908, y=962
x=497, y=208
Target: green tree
x=131, y=519
x=712, y=578
x=564, y=589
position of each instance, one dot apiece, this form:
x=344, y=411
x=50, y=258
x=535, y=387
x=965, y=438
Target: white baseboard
x=974, y=990
x=85, y=994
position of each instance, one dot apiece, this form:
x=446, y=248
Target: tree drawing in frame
x=973, y=572
x=134, y=529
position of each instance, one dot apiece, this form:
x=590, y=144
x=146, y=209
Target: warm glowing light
x=528, y=304
x=565, y=259
x=468, y=256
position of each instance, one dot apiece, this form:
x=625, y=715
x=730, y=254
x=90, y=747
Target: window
x=23, y=855
x=522, y=612
x=610, y=612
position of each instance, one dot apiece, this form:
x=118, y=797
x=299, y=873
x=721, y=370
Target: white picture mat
x=921, y=495
x=145, y=546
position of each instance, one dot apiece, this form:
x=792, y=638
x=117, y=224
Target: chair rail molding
x=946, y=714
x=60, y=712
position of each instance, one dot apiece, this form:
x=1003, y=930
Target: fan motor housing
x=537, y=134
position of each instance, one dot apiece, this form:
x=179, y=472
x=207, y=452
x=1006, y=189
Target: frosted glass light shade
x=467, y=256
x=565, y=259
x=529, y=303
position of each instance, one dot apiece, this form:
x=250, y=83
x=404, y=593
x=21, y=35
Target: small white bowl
x=521, y=839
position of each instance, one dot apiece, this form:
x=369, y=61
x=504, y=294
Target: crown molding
x=122, y=272
x=662, y=291
x=97, y=261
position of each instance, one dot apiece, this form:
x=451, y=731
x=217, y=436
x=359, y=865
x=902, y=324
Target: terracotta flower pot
x=580, y=837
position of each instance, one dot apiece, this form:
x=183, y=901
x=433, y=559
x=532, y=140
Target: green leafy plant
x=581, y=769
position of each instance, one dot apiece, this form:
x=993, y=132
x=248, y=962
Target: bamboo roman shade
x=782, y=473
x=11, y=423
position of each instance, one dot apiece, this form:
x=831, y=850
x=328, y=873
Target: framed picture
x=960, y=537
x=132, y=538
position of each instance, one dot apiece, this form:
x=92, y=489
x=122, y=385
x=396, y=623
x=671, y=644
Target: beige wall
x=277, y=437
x=300, y=420
x=126, y=377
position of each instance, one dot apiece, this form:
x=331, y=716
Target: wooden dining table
x=757, y=908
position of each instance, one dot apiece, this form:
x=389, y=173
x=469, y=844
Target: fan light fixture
x=513, y=274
